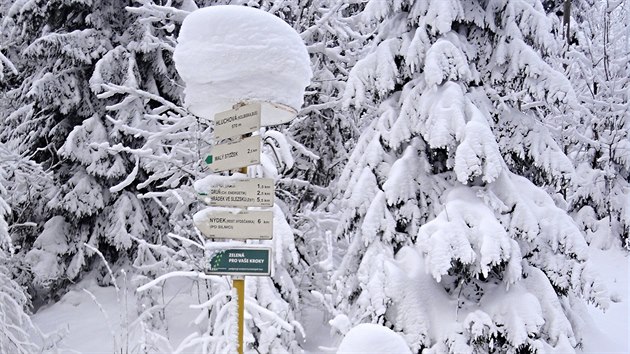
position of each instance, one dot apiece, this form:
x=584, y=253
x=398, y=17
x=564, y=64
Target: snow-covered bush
x=597, y=64
x=15, y=325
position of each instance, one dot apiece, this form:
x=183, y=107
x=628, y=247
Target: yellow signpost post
x=239, y=284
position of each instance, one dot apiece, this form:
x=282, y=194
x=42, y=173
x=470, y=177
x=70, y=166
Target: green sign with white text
x=240, y=261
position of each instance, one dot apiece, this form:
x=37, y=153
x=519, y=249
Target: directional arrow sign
x=235, y=122
x=240, y=261
x=230, y=156
x=241, y=193
x=244, y=224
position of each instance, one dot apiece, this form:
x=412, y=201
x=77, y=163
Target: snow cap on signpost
x=229, y=54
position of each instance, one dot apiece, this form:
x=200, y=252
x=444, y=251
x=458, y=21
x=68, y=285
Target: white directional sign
x=244, y=224
x=242, y=193
x=230, y=156
x=235, y=122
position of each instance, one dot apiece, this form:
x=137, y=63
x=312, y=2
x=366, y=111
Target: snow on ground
x=373, y=338
x=90, y=331
x=107, y=324
x=609, y=331
x=319, y=337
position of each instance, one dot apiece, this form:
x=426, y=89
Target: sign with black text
x=234, y=155
x=235, y=122
x=244, y=224
x=241, y=193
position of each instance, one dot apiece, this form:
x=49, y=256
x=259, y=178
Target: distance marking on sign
x=234, y=155
x=242, y=193
x=244, y=224
x=235, y=122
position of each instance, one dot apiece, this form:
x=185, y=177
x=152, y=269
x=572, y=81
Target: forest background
x=458, y=155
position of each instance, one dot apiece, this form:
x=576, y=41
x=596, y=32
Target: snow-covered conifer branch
x=5, y=61
x=186, y=274
x=151, y=12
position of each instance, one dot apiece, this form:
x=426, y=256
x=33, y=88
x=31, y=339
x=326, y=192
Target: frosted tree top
x=228, y=54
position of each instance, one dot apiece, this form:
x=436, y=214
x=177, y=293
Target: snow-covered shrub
x=15, y=325
x=599, y=142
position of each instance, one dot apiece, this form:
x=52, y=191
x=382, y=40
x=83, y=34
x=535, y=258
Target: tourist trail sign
x=235, y=122
x=233, y=155
x=243, y=224
x=240, y=261
x=241, y=193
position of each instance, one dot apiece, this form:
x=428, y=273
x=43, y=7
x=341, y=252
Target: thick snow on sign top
x=228, y=54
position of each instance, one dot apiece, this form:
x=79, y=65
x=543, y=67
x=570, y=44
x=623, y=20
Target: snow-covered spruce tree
x=63, y=51
x=444, y=226
x=598, y=63
x=20, y=179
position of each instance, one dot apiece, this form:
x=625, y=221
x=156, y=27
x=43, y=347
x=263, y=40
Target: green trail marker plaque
x=240, y=261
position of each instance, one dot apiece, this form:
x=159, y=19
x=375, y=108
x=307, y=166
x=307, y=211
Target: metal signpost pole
x=239, y=284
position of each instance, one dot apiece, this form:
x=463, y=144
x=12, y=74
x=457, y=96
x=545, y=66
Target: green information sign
x=240, y=261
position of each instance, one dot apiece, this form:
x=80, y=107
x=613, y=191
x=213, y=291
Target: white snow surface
x=228, y=54
x=373, y=338
x=84, y=328
x=609, y=331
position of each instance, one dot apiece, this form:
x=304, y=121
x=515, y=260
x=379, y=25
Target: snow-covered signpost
x=243, y=68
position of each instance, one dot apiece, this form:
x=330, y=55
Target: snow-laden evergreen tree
x=63, y=51
x=598, y=63
x=20, y=180
x=449, y=236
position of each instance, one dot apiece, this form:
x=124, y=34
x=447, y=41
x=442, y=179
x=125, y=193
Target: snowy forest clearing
x=85, y=325
x=83, y=328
